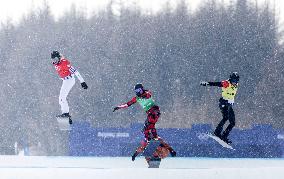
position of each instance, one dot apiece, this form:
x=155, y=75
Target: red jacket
x=63, y=68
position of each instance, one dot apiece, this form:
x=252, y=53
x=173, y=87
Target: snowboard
x=220, y=141
x=148, y=153
x=63, y=123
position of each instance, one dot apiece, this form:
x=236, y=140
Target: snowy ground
x=19, y=167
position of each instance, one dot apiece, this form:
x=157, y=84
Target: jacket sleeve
x=224, y=84
x=129, y=103
x=219, y=84
x=77, y=74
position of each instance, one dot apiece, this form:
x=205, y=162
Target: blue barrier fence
x=261, y=141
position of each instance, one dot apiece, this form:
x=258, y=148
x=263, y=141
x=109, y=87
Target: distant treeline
x=169, y=52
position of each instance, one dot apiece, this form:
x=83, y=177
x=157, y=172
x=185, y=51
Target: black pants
x=228, y=114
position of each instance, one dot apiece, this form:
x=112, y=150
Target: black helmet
x=139, y=85
x=234, y=77
x=139, y=89
x=55, y=54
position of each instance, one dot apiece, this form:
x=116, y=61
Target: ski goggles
x=138, y=91
x=55, y=60
x=234, y=81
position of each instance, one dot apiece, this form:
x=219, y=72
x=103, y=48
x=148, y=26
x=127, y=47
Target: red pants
x=149, y=129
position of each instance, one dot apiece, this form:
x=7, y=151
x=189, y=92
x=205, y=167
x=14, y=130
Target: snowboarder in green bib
x=144, y=98
x=226, y=102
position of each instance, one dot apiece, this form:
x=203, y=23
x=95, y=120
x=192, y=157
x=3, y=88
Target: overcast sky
x=14, y=9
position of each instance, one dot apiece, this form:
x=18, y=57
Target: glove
x=116, y=108
x=134, y=156
x=84, y=85
x=204, y=83
x=173, y=153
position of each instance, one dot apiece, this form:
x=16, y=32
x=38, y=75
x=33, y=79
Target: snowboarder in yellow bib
x=226, y=102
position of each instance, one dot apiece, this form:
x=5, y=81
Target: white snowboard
x=221, y=142
x=63, y=123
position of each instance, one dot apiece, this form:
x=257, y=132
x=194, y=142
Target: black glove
x=116, y=108
x=173, y=153
x=84, y=85
x=204, y=83
x=134, y=156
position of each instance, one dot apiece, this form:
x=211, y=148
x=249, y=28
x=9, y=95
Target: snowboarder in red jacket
x=67, y=73
x=144, y=98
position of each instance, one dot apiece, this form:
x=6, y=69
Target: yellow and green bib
x=230, y=92
x=145, y=103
